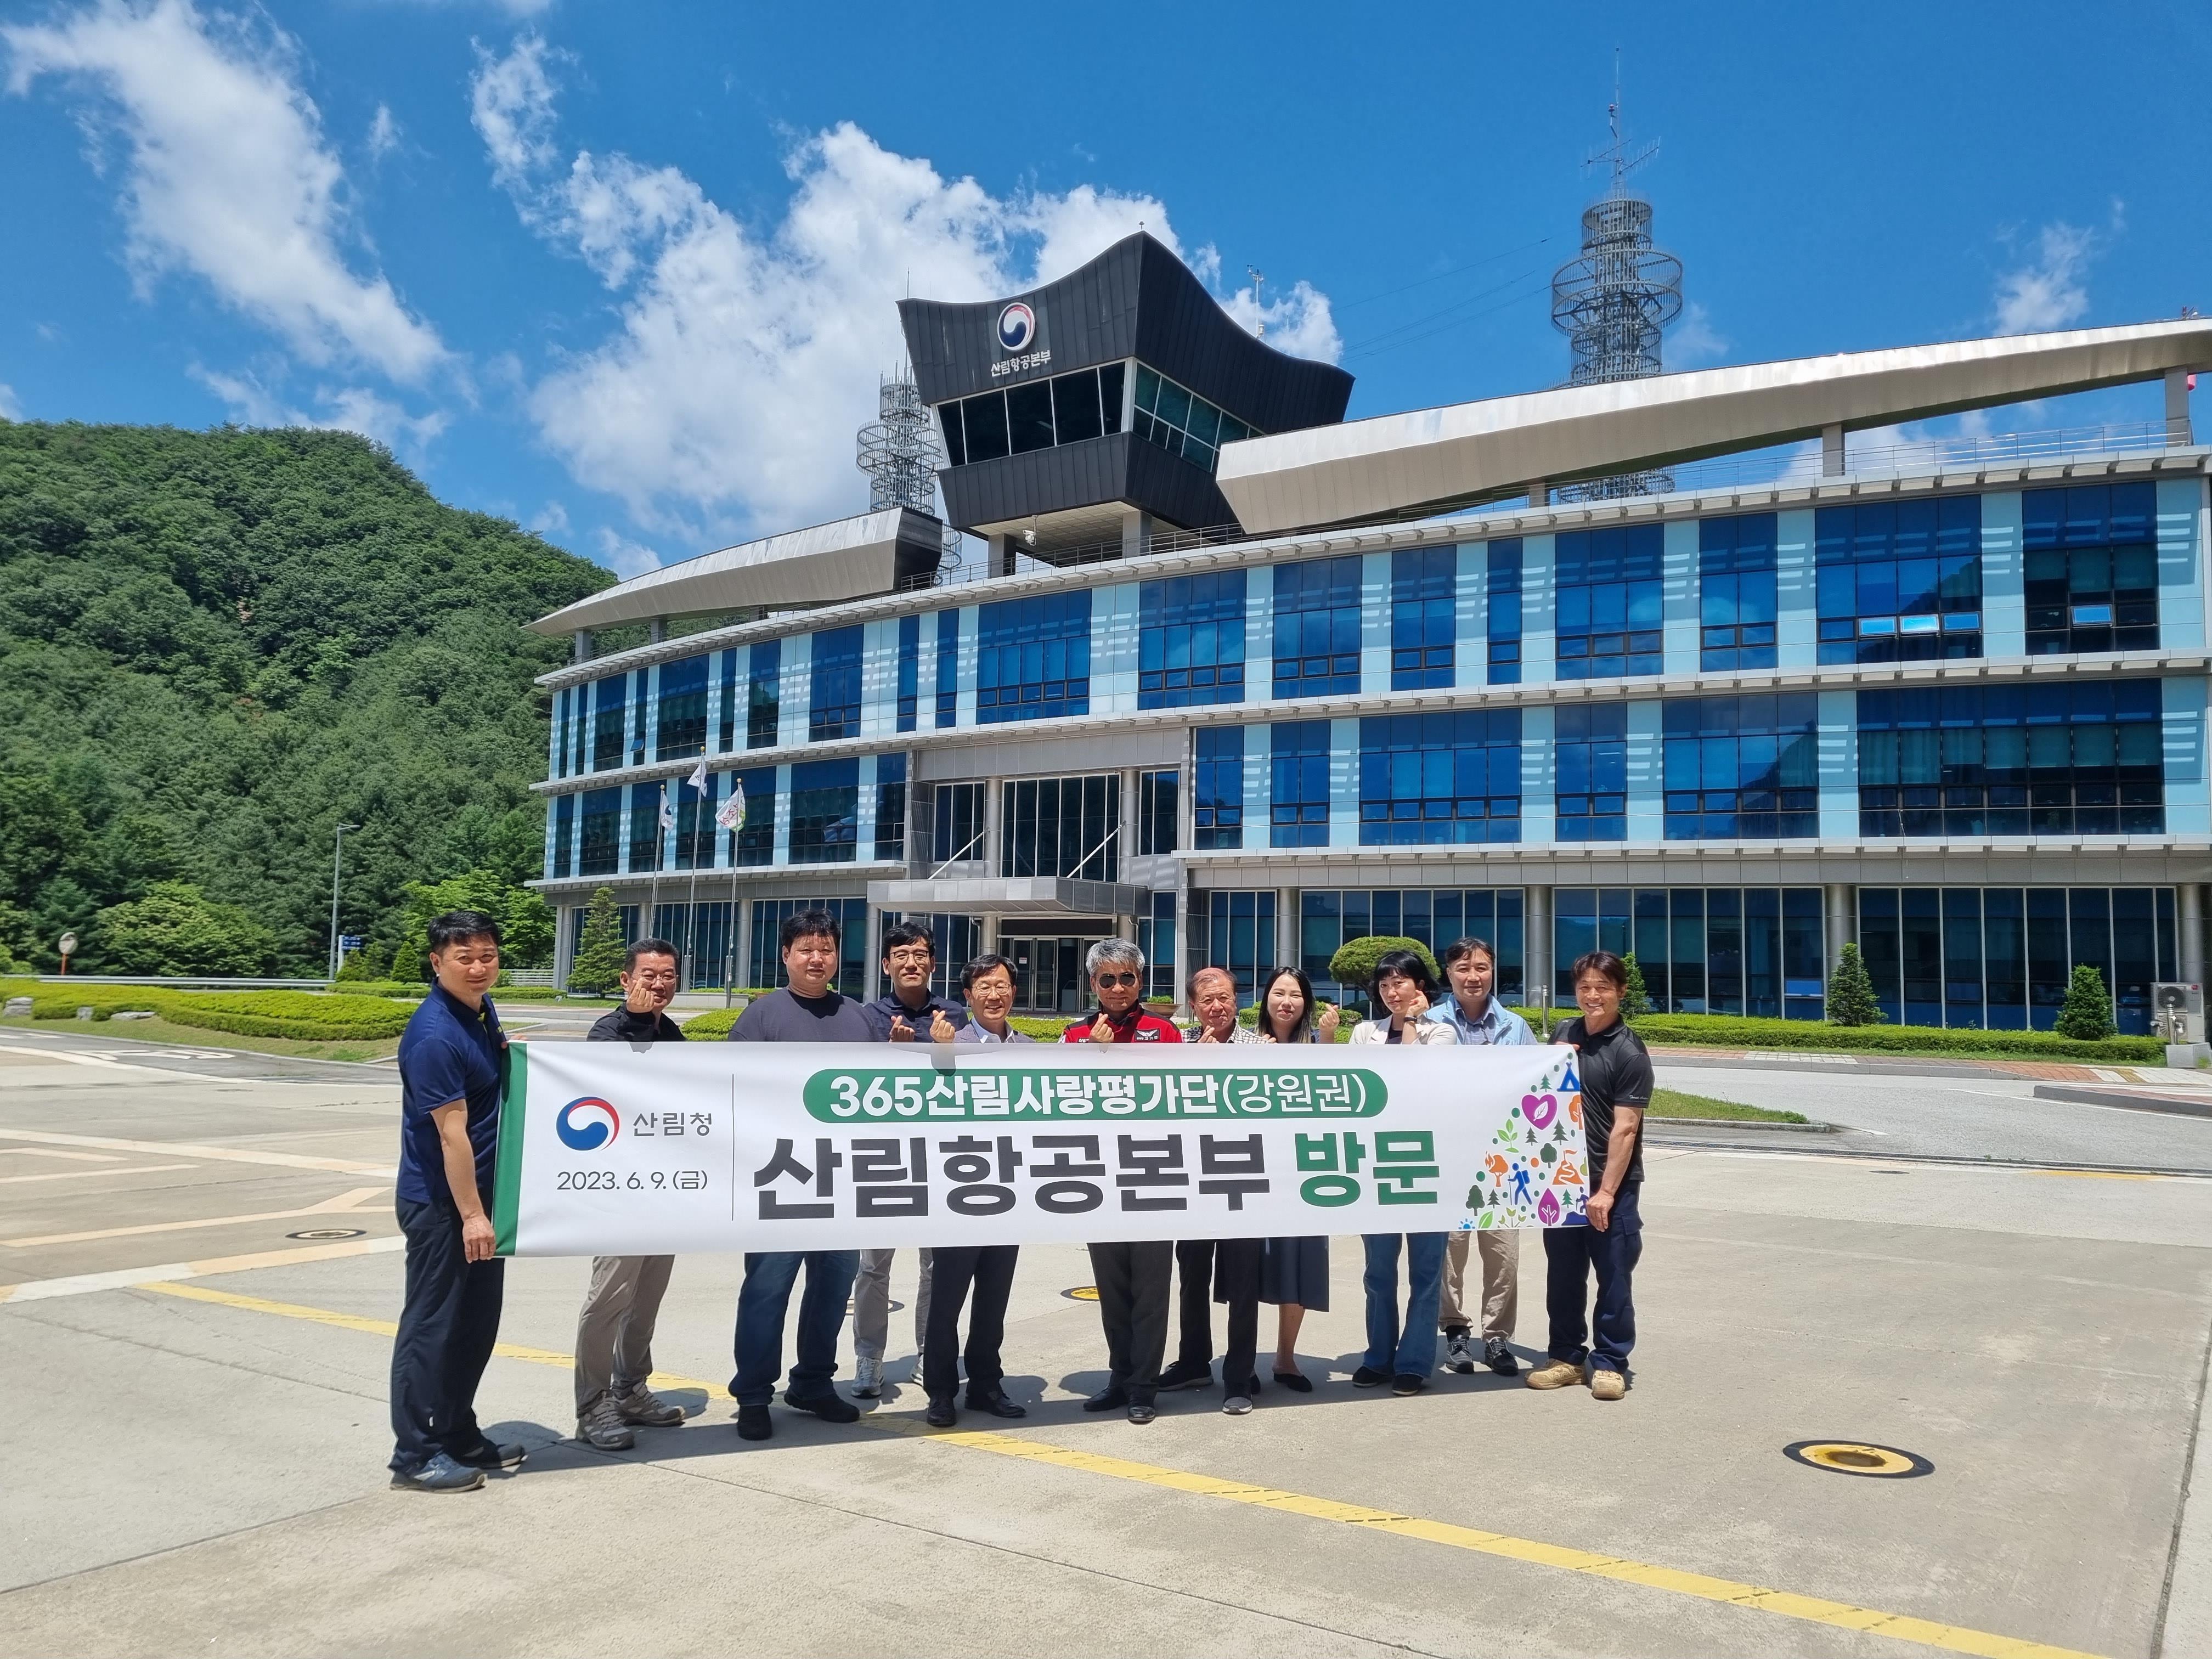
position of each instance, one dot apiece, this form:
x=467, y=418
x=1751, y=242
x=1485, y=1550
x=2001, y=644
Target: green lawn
x=161, y=1032
x=1672, y=1103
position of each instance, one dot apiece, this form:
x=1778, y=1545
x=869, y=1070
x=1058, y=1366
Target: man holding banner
x=807, y=1009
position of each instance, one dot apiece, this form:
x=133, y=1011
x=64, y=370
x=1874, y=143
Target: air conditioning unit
x=2177, y=1011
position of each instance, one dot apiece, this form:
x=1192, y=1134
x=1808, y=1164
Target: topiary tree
x=1353, y=965
x=2088, y=1015
x=597, y=970
x=1635, y=998
x=1851, y=992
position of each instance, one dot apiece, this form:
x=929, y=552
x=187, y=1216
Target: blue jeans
x=1410, y=1349
x=1571, y=1253
x=768, y=1278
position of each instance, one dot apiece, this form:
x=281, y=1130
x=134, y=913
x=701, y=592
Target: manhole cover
x=1857, y=1457
x=318, y=1235
x=1082, y=1293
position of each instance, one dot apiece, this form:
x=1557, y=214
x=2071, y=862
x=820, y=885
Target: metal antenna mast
x=1614, y=299
x=900, y=452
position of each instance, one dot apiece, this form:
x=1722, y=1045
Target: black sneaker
x=1458, y=1355
x=830, y=1407
x=1407, y=1382
x=1186, y=1374
x=1499, y=1357
x=440, y=1473
x=1106, y=1400
x=1368, y=1377
x=1296, y=1382
x=491, y=1456
x=753, y=1423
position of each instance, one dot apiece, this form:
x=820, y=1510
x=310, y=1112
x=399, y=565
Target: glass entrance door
x=1049, y=974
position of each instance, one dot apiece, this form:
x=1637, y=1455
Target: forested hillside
x=215, y=645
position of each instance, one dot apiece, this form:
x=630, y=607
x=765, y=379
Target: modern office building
x=1242, y=680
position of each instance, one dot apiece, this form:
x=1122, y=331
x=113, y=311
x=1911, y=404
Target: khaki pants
x=614, y=1334
x=1500, y=1253
x=872, y=1303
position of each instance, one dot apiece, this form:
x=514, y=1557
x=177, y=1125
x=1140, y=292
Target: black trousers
x=1236, y=1282
x=448, y=1326
x=990, y=1268
x=1133, y=1306
x=1194, y=1301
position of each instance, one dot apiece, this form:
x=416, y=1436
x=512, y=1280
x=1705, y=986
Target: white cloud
x=343, y=408
x=625, y=558
x=744, y=358
x=550, y=519
x=2051, y=290
x=10, y=408
x=1297, y=322
x=228, y=176
x=1695, y=340
x=383, y=133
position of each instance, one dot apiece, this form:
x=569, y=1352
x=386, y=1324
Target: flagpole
x=653, y=894
x=732, y=817
x=691, y=901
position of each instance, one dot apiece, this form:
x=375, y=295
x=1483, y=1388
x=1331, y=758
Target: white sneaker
x=868, y=1379
x=1236, y=1406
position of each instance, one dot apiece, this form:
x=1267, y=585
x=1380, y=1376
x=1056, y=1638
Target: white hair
x=1107, y=951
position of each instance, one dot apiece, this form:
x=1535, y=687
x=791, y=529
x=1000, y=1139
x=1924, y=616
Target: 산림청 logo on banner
x=586, y=1124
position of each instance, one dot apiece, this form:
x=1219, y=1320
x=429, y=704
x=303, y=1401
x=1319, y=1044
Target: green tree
x=598, y=968
x=1851, y=992
x=175, y=929
x=1353, y=965
x=1635, y=998
x=2086, y=1015
x=525, y=921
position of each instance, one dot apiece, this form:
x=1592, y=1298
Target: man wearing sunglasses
x=1132, y=1278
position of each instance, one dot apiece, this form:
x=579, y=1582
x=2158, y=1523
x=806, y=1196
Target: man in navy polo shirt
x=449, y=1097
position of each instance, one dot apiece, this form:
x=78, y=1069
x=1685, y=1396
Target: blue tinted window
x=1217, y=792
x=1317, y=603
x=891, y=807
x=1191, y=641
x=1299, y=804
x=645, y=828
x=757, y=835
x=1608, y=615
x=1590, y=753
x=1424, y=599
x=1900, y=581
x=681, y=731
x=2092, y=568
x=1033, y=659
x=1435, y=779
x=564, y=827
x=727, y=739
x=834, y=709
x=825, y=804
x=608, y=749
x=763, y=694
x=601, y=847
x=1735, y=591
x=2084, y=758
x=948, y=668
x=1504, y=618
x=1743, y=768
x=909, y=670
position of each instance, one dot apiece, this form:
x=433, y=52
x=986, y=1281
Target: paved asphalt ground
x=198, y=1399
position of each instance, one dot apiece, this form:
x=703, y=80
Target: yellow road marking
x=343, y=1202
x=213, y=1154
x=1924, y=1633
x=2100, y=1174
x=79, y=1175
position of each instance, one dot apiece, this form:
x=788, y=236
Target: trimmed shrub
x=1746, y=1031
x=1354, y=961
x=1635, y=998
x=712, y=1026
x=1851, y=992
x=2087, y=1014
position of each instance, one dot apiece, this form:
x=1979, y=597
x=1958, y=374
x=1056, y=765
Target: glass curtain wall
x=1735, y=591
x=1191, y=641
x=1430, y=780
x=1423, y=623
x=1033, y=660
x=1899, y=582
x=1062, y=827
x=1218, y=791
x=1317, y=607
x=1609, y=608
x=1755, y=951
x=764, y=956
x=2091, y=553
x=1330, y=918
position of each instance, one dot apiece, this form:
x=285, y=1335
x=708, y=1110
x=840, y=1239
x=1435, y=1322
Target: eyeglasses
x=1115, y=982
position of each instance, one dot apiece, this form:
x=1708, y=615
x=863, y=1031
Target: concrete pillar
x=1539, y=493
x=1126, y=927
x=1286, y=929
x=579, y=646
x=2176, y=408
x=741, y=966
x=1831, y=450
x=994, y=795
x=1002, y=555
x=1183, y=958
x=656, y=631
x=1536, y=942
x=871, y=974
x=1842, y=915
x=2192, y=934
x=1124, y=827
x=1136, y=533
x=988, y=944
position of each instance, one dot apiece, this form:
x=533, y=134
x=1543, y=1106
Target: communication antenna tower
x=900, y=452
x=1613, y=300
x=1259, y=298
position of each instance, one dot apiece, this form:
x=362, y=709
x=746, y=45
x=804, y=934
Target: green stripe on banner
x=506, y=1185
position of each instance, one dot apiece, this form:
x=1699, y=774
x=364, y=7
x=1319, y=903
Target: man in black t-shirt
x=1616, y=1073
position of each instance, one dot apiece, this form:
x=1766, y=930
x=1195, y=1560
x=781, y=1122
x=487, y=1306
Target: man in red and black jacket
x=1132, y=1278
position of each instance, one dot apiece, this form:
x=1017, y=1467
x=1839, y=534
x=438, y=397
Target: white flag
x=698, y=778
x=732, y=815
x=667, y=810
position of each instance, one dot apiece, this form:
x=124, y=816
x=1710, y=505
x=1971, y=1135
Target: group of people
x=449, y=1065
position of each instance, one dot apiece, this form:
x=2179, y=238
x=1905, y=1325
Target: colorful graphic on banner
x=610, y=1149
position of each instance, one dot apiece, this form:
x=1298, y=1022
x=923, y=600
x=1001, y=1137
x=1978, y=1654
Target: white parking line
x=79, y=1175
x=216, y=1154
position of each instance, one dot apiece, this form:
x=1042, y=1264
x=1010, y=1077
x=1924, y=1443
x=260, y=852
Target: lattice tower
x=900, y=452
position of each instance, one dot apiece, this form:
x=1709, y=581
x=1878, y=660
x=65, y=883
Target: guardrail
x=186, y=981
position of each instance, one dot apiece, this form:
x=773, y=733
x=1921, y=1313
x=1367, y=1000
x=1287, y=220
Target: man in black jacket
x=614, y=1334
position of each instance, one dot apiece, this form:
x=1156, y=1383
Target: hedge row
x=1743, y=1032
x=307, y=1016
x=715, y=1025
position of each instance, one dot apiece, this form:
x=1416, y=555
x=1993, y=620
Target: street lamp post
x=337, y=861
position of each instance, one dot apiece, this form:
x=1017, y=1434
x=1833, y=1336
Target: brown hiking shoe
x=1607, y=1385
x=1555, y=1374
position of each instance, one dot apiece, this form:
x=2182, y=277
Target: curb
x=1658, y=1123
x=2171, y=1105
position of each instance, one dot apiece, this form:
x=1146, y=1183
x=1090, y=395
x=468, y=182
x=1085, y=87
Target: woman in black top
x=1293, y=1272
x=1615, y=1074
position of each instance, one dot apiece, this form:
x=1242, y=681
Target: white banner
x=606, y=1149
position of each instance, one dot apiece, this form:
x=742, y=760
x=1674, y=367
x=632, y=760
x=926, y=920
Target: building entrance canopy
x=1010, y=896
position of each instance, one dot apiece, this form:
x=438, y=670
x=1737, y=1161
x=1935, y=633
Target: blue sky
x=625, y=273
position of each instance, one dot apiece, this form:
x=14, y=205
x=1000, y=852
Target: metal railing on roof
x=1804, y=464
